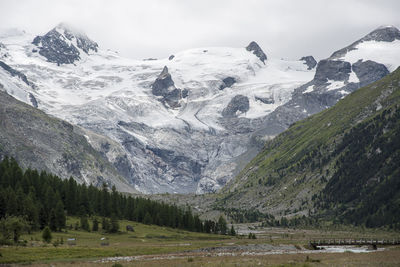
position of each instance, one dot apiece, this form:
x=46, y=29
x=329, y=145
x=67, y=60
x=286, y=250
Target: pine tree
x=85, y=223
x=61, y=219
x=95, y=226
x=53, y=221
x=114, y=228
x=46, y=235
x=105, y=224
x=147, y=218
x=232, y=232
x=222, y=228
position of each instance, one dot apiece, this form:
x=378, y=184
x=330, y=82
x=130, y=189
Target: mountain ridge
x=295, y=173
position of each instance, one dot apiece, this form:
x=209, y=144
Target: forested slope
x=341, y=164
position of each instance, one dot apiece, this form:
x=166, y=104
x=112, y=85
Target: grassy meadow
x=162, y=246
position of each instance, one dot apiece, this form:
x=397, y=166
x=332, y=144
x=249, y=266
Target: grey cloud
x=157, y=28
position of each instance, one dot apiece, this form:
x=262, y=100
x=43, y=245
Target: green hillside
x=335, y=160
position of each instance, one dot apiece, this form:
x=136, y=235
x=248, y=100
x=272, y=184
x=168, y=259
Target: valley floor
x=382, y=258
x=160, y=246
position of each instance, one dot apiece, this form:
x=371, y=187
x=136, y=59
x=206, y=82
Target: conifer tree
x=232, y=232
x=46, y=235
x=95, y=226
x=147, y=218
x=222, y=228
x=105, y=224
x=114, y=227
x=84, y=223
x=61, y=219
x=53, y=221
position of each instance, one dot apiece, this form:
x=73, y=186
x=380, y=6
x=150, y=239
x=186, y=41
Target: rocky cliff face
x=42, y=142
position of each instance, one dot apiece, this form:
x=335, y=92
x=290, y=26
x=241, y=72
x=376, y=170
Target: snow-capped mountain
x=361, y=63
x=186, y=123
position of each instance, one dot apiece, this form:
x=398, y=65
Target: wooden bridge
x=373, y=243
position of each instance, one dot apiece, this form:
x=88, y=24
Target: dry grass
x=390, y=257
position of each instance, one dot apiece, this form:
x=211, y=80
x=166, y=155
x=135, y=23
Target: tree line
x=43, y=199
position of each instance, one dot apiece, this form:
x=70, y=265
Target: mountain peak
x=256, y=49
x=164, y=72
x=386, y=33
x=63, y=43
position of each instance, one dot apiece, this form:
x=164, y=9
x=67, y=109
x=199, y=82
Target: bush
x=252, y=236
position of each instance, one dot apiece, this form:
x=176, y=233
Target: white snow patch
x=353, y=78
x=333, y=85
x=309, y=89
x=387, y=53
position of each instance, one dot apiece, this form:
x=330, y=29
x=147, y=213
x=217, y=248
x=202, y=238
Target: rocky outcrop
x=238, y=103
x=332, y=70
x=15, y=73
x=163, y=83
x=33, y=100
x=309, y=61
x=256, y=49
x=369, y=71
x=3, y=51
x=265, y=100
x=227, y=82
x=164, y=86
x=61, y=45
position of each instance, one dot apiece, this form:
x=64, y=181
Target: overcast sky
x=158, y=28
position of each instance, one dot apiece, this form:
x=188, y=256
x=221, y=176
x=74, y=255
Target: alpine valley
x=189, y=123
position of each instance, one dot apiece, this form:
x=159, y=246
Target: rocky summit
x=62, y=45
x=256, y=49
